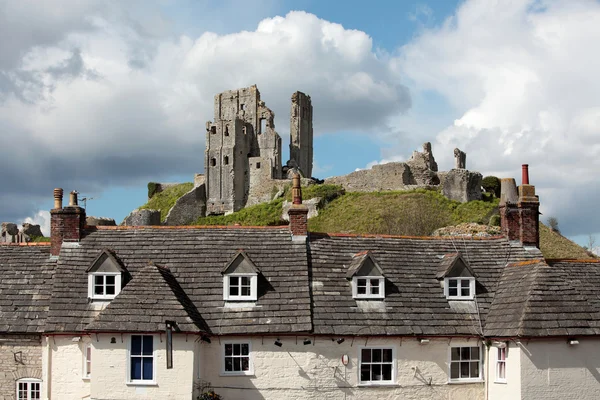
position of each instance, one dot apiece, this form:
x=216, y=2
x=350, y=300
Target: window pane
x=464, y=370
x=501, y=370
x=501, y=354
x=454, y=370
x=376, y=355
x=110, y=290
x=237, y=349
x=361, y=282
x=245, y=290
x=452, y=283
x=474, y=353
x=361, y=289
x=228, y=349
x=366, y=355
x=35, y=391
x=246, y=280
x=233, y=291
x=237, y=364
x=455, y=353
x=99, y=279
x=374, y=289
x=136, y=368
x=365, y=373
x=453, y=292
x=387, y=372
x=245, y=349
x=466, y=292
x=147, y=368
x=233, y=281
x=474, y=369
x=465, y=353
x=387, y=355
x=374, y=282
x=110, y=279
x=98, y=289
x=245, y=364
x=136, y=345
x=376, y=372
x=228, y=364
x=464, y=283
x=147, y=345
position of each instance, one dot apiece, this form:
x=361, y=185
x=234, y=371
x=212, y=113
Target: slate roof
x=535, y=299
x=414, y=303
x=195, y=257
x=152, y=297
x=25, y=281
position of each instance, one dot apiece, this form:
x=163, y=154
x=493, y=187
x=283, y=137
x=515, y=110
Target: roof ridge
x=166, y=227
x=575, y=260
x=386, y=236
x=27, y=244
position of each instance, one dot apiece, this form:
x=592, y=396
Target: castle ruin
x=243, y=150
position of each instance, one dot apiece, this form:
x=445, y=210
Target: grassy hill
x=414, y=213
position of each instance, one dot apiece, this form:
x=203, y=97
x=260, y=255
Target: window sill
x=465, y=382
x=500, y=382
x=141, y=383
x=382, y=384
x=86, y=378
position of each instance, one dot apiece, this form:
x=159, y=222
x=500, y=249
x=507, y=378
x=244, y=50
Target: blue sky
x=105, y=97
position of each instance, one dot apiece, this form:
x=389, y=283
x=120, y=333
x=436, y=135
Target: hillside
x=413, y=213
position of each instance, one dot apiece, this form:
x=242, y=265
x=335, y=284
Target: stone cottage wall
x=20, y=357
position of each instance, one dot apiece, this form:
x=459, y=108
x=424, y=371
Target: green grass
x=166, y=199
x=40, y=239
x=554, y=245
x=265, y=214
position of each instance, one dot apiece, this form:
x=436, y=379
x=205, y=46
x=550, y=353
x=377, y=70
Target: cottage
x=278, y=312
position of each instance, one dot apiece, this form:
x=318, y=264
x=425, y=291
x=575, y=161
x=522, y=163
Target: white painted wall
x=511, y=389
x=555, y=370
x=171, y=384
x=62, y=365
x=315, y=371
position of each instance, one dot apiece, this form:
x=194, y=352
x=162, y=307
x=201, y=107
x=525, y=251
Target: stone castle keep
x=243, y=166
x=243, y=150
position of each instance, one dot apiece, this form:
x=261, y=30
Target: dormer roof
x=240, y=263
x=106, y=262
x=454, y=265
x=363, y=264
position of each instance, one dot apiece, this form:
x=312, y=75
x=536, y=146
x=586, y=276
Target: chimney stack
x=66, y=223
x=298, y=212
x=519, y=211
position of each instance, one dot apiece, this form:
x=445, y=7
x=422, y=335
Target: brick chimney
x=529, y=212
x=509, y=212
x=298, y=212
x=66, y=223
x=519, y=211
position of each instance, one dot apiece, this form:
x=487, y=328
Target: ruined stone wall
x=188, y=208
x=20, y=357
x=301, y=133
x=390, y=176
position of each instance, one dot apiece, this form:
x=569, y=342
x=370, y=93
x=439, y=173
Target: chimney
x=298, y=212
x=509, y=212
x=66, y=223
x=529, y=214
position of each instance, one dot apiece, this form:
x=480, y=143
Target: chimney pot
x=58, y=197
x=73, y=199
x=296, y=189
x=298, y=212
x=525, y=174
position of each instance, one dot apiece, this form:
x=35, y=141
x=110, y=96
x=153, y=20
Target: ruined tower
x=241, y=146
x=301, y=133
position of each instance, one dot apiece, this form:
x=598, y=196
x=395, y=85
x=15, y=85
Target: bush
x=152, y=186
x=209, y=395
x=495, y=220
x=491, y=184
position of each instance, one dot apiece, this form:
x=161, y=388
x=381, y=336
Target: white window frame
x=239, y=297
x=501, y=354
x=28, y=382
x=450, y=362
x=86, y=371
x=141, y=382
x=459, y=280
x=91, y=284
x=368, y=295
x=377, y=383
x=250, y=363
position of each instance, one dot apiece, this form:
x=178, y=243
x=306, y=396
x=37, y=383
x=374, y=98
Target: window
x=376, y=366
x=368, y=287
x=460, y=288
x=104, y=286
x=226, y=130
x=87, y=361
x=242, y=106
x=213, y=162
x=465, y=364
x=257, y=165
x=29, y=389
x=236, y=358
x=226, y=160
x=240, y=287
x=501, y=365
x=141, y=363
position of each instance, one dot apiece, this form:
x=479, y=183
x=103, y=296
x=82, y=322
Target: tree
x=553, y=224
x=491, y=184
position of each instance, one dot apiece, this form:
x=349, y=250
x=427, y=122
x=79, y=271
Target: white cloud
x=522, y=76
x=41, y=218
x=98, y=100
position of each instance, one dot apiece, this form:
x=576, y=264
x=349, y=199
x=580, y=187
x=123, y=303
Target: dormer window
x=367, y=277
x=105, y=277
x=458, y=277
x=240, y=279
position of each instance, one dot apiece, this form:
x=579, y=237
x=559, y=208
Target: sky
x=105, y=96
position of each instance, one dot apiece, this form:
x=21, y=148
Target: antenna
x=85, y=200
